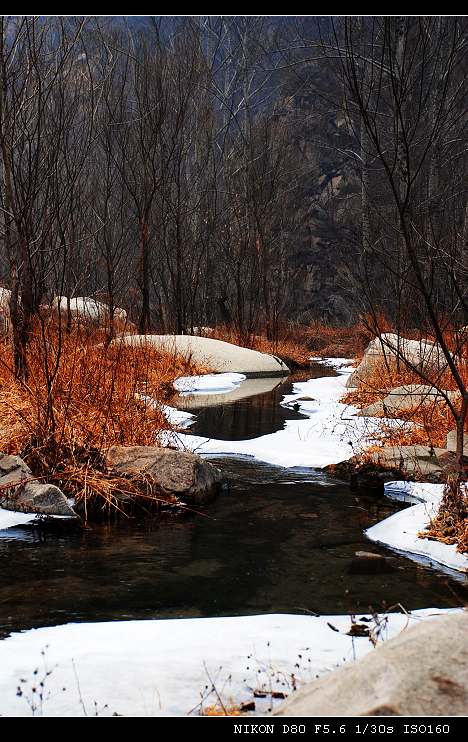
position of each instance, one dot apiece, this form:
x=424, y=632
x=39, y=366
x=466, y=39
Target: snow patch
x=400, y=531
x=180, y=418
x=336, y=363
x=11, y=518
x=208, y=383
x=414, y=492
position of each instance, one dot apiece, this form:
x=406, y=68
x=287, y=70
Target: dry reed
x=81, y=397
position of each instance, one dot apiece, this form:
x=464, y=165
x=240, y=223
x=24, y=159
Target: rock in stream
x=19, y=491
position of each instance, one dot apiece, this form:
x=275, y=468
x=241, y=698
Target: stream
x=279, y=540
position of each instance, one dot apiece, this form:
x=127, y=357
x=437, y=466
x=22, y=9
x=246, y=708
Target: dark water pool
x=279, y=540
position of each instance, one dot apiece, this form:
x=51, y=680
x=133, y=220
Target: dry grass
x=430, y=425
x=450, y=526
x=341, y=342
x=217, y=710
x=432, y=422
x=296, y=343
x=81, y=397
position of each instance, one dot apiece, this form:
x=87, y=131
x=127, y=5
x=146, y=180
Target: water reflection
x=248, y=388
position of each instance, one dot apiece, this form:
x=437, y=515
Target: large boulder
x=405, y=399
x=423, y=671
x=388, y=348
x=216, y=354
x=179, y=473
x=19, y=491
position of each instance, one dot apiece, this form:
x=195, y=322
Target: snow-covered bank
x=194, y=386
x=208, y=383
x=400, y=531
x=168, y=666
x=10, y=518
x=330, y=432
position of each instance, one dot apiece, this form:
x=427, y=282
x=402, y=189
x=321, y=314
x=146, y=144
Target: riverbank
x=329, y=432
x=178, y=666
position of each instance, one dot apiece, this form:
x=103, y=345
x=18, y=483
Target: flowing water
x=279, y=540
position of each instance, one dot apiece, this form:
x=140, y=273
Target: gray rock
x=4, y=325
x=216, y=354
x=411, y=459
x=20, y=492
x=369, y=563
x=423, y=671
x=179, y=473
x=203, y=331
x=405, y=399
x=422, y=354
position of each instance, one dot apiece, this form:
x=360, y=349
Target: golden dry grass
x=432, y=422
x=450, y=525
x=345, y=342
x=80, y=398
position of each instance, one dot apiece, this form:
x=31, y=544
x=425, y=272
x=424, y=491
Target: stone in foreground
x=423, y=671
x=180, y=473
x=216, y=354
x=20, y=492
x=87, y=308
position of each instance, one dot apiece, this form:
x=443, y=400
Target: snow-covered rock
x=216, y=354
x=452, y=442
x=19, y=491
x=420, y=672
x=5, y=297
x=87, y=308
x=407, y=398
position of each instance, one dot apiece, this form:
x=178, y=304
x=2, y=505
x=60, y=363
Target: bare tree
x=394, y=71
